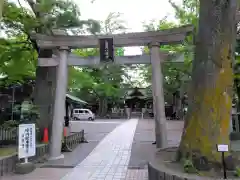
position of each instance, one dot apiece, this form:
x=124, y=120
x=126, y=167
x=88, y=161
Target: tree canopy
x=17, y=48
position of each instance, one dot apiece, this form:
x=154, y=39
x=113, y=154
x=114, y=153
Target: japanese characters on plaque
x=27, y=141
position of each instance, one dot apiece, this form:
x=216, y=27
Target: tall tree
x=208, y=119
x=42, y=18
x=188, y=12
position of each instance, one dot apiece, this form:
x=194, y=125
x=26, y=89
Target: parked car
x=83, y=114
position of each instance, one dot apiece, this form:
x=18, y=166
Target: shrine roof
x=141, y=93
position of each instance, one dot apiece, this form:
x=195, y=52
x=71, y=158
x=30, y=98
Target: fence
x=74, y=139
x=8, y=136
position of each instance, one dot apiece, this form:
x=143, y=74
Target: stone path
x=109, y=160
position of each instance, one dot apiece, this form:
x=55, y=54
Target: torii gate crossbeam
x=74, y=60
x=64, y=43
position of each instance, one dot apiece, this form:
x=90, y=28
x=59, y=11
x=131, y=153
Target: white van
x=83, y=114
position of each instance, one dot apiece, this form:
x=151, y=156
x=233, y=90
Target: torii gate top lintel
x=168, y=36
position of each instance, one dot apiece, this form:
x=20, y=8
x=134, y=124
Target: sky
x=134, y=13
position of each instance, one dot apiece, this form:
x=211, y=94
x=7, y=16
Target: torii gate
x=63, y=43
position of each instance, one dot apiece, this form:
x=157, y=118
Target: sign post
x=26, y=141
x=223, y=148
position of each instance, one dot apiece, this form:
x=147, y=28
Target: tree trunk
x=176, y=105
x=44, y=95
x=102, y=106
x=208, y=119
x=237, y=87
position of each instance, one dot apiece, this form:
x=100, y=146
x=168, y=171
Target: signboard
x=222, y=148
x=106, y=49
x=26, y=140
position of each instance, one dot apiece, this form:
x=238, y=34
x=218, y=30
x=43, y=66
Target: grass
x=6, y=151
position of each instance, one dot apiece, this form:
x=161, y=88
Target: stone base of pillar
x=56, y=158
x=158, y=141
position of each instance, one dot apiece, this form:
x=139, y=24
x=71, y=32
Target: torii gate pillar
x=59, y=105
x=158, y=96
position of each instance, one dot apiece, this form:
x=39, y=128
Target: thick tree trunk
x=44, y=95
x=208, y=119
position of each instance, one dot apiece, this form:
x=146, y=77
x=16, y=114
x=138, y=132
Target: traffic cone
x=45, y=135
x=64, y=132
x=65, y=147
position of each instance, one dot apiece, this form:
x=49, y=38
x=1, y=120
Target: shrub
x=188, y=166
x=10, y=124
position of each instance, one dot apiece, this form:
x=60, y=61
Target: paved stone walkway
x=109, y=160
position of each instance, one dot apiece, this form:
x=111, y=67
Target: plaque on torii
x=106, y=49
